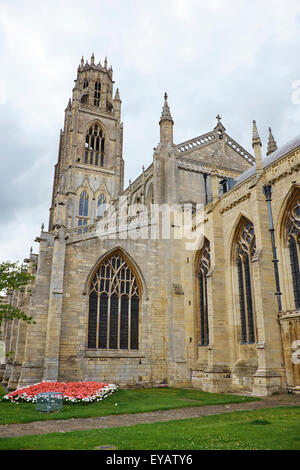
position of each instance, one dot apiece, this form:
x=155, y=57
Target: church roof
x=273, y=157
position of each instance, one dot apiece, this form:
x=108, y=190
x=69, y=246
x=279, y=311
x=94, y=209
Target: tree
x=13, y=277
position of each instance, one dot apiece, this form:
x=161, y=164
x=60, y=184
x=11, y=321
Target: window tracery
x=114, y=300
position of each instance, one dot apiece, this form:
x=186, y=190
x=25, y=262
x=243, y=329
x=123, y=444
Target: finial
x=272, y=146
x=166, y=114
x=117, y=95
x=42, y=227
x=105, y=63
x=31, y=250
x=255, y=135
x=219, y=125
x=93, y=59
x=82, y=62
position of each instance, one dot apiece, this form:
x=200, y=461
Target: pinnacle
x=272, y=146
x=255, y=135
x=117, y=95
x=166, y=114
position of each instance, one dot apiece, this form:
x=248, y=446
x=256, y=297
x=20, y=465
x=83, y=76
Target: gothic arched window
x=94, y=146
x=85, y=83
x=84, y=99
x=203, y=268
x=114, y=302
x=244, y=250
x=293, y=233
x=97, y=93
x=83, y=210
x=101, y=205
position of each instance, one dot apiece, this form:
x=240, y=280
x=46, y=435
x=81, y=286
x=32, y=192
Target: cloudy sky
x=232, y=57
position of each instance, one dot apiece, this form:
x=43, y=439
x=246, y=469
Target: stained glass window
x=293, y=232
x=244, y=251
x=114, y=302
x=83, y=210
x=204, y=266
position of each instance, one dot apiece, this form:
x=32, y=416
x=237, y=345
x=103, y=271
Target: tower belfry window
x=85, y=83
x=97, y=93
x=94, y=146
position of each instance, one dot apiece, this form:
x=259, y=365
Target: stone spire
x=166, y=114
x=256, y=144
x=93, y=59
x=272, y=146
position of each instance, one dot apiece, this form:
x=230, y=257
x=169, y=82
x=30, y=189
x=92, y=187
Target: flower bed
x=73, y=392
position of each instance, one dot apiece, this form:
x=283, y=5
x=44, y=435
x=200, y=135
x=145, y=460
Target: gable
x=218, y=148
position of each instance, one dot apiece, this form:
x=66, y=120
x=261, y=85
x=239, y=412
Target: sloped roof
x=273, y=157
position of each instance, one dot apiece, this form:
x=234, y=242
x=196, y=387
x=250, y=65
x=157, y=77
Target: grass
x=265, y=429
x=128, y=401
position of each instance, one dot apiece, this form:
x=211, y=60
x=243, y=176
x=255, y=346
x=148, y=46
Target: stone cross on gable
x=219, y=118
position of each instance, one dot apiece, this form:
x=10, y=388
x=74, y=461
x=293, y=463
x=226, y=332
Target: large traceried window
x=203, y=268
x=83, y=210
x=114, y=302
x=94, y=146
x=245, y=248
x=293, y=236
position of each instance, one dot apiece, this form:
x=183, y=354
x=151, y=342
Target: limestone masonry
x=188, y=277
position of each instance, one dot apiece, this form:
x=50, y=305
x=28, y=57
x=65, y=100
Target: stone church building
x=123, y=293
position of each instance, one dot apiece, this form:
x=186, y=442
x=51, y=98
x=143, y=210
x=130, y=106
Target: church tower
x=90, y=168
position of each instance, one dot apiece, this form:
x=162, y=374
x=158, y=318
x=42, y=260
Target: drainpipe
x=267, y=190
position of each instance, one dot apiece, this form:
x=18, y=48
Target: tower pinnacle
x=272, y=146
x=166, y=123
x=166, y=114
x=256, y=144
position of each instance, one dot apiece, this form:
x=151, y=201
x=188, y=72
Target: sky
x=235, y=58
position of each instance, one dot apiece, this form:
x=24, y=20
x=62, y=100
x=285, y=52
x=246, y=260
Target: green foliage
x=13, y=277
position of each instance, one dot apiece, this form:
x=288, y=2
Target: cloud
x=234, y=58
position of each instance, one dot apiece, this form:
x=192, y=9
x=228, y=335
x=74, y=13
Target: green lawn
x=122, y=401
x=268, y=429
